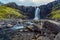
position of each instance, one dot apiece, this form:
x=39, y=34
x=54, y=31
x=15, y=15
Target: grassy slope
x=55, y=14
x=9, y=13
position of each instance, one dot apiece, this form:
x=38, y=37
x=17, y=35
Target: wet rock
x=30, y=28
x=9, y=25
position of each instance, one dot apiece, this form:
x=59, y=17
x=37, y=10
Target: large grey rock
x=51, y=26
x=57, y=37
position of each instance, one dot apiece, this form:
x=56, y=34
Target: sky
x=28, y=2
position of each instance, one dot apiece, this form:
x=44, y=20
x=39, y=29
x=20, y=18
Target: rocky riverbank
x=31, y=30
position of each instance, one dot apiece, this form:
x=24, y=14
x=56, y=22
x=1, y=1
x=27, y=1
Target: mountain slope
x=28, y=11
x=1, y=3
x=55, y=14
x=9, y=13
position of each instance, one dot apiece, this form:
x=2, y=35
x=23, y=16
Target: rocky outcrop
x=55, y=28
x=57, y=37
x=46, y=9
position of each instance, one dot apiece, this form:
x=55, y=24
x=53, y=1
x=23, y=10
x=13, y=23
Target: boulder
x=9, y=25
x=53, y=27
x=1, y=26
x=57, y=37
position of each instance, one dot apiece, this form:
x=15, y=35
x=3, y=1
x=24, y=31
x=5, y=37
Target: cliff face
x=55, y=13
x=30, y=11
x=27, y=11
x=46, y=9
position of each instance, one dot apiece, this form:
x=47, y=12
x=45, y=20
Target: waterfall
x=37, y=16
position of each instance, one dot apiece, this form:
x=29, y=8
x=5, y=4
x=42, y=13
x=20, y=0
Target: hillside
x=9, y=13
x=28, y=11
x=55, y=14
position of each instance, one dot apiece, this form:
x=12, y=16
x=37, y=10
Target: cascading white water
x=37, y=16
x=18, y=26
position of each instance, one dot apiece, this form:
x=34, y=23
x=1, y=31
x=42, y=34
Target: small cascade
x=18, y=26
x=37, y=14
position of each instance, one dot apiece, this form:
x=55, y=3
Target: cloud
x=28, y=2
x=38, y=1
x=34, y=2
x=21, y=0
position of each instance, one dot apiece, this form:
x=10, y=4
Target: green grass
x=55, y=13
x=9, y=13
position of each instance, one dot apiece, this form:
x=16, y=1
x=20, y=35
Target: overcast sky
x=28, y=2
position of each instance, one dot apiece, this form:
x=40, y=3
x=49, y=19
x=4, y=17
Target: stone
x=57, y=37
x=43, y=38
x=9, y=25
x=51, y=26
x=1, y=26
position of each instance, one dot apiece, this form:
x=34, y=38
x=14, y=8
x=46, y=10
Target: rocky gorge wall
x=29, y=11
